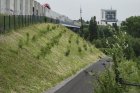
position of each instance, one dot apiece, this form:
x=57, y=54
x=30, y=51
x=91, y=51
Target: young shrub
x=69, y=41
x=42, y=52
x=85, y=47
x=64, y=31
x=27, y=38
x=48, y=28
x=20, y=44
x=45, y=50
x=13, y=51
x=55, y=41
x=70, y=38
x=58, y=26
x=38, y=56
x=79, y=49
x=42, y=32
x=53, y=27
x=60, y=35
x=67, y=53
x=91, y=50
x=77, y=40
x=34, y=38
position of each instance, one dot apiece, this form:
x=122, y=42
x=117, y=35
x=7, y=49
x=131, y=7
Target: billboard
x=109, y=15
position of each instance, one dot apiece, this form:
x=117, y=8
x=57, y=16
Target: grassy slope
x=36, y=58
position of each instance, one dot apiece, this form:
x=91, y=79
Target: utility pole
x=81, y=20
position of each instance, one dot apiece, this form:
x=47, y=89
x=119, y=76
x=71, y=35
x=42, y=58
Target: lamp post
x=81, y=21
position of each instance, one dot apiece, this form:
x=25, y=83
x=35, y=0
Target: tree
x=115, y=26
x=132, y=26
x=93, y=29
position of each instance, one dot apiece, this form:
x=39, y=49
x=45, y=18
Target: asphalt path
x=83, y=82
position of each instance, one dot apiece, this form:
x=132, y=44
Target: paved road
x=83, y=82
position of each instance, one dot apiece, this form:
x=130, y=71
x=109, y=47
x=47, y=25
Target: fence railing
x=8, y=22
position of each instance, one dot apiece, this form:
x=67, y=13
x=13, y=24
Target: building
x=31, y=6
x=16, y=7
x=22, y=7
x=9, y=7
x=35, y=8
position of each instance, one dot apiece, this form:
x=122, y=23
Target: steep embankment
x=36, y=58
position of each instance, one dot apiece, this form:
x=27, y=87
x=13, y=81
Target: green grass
x=33, y=59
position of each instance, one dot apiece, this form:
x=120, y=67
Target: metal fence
x=8, y=22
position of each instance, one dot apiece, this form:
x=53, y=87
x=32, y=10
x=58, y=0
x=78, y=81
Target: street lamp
x=81, y=20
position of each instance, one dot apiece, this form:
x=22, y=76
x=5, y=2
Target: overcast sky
x=71, y=8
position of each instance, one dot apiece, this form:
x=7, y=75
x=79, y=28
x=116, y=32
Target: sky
x=90, y=8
